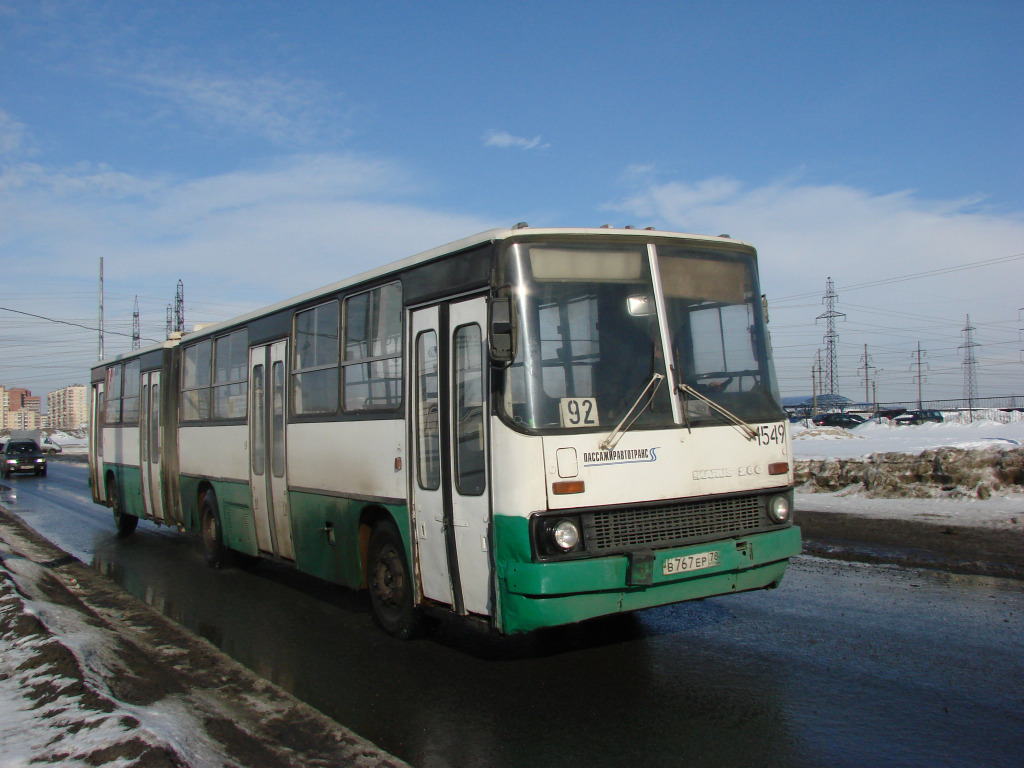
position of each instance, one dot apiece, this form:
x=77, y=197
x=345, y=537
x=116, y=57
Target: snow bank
x=958, y=472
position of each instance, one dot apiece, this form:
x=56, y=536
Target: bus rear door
x=268, y=480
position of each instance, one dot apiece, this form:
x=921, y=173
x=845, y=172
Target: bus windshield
x=593, y=345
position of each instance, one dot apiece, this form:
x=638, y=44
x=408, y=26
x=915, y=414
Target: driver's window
x=722, y=340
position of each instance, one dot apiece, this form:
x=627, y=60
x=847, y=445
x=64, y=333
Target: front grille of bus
x=673, y=524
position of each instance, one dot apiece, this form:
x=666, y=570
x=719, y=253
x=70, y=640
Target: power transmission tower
x=170, y=321
x=831, y=337
x=179, y=308
x=1020, y=318
x=136, y=329
x=919, y=376
x=970, y=366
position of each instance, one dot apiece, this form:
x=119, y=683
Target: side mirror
x=641, y=305
x=501, y=329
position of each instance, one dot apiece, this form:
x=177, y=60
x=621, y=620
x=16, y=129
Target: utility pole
x=920, y=373
x=814, y=390
x=136, y=328
x=970, y=366
x=866, y=365
x=831, y=337
x=101, y=310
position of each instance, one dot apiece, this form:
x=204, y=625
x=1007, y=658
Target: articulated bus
x=525, y=428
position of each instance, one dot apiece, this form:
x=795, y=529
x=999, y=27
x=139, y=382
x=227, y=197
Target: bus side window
x=428, y=432
x=470, y=469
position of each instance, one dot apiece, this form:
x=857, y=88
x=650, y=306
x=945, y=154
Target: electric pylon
x=970, y=366
x=831, y=337
x=136, y=327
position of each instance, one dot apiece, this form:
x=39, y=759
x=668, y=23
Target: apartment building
x=67, y=408
x=19, y=409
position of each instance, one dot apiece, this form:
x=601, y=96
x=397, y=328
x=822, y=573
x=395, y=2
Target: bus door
x=267, y=475
x=99, y=490
x=150, y=446
x=450, y=500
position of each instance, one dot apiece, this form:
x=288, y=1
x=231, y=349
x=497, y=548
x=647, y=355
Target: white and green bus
x=525, y=428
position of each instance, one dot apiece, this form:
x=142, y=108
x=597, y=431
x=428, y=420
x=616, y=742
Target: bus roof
x=490, y=236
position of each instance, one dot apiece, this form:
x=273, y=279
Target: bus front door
x=267, y=477
x=99, y=489
x=450, y=499
x=150, y=447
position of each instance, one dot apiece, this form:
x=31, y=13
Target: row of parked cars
x=899, y=416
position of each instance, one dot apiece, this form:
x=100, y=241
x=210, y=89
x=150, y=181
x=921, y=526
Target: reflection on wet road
x=844, y=665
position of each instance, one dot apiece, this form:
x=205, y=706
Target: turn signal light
x=778, y=468
x=567, y=486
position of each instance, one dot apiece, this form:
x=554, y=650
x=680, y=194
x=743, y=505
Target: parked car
x=845, y=420
x=48, y=446
x=918, y=417
x=891, y=413
x=23, y=456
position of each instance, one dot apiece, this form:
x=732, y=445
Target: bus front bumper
x=535, y=595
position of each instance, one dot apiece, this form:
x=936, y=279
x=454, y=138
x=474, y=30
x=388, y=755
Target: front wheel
x=391, y=588
x=213, y=538
x=124, y=522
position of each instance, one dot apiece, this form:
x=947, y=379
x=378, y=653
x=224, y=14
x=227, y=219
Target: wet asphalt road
x=845, y=665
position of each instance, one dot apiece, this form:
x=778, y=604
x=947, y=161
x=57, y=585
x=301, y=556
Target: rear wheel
x=390, y=582
x=213, y=538
x=125, y=523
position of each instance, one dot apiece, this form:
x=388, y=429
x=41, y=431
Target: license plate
x=686, y=563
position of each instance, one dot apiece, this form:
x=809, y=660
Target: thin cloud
x=12, y=135
x=969, y=261
x=281, y=110
x=505, y=140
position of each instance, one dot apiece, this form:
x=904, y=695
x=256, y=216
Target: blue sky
x=255, y=150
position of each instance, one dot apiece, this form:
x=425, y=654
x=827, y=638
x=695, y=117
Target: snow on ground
x=989, y=430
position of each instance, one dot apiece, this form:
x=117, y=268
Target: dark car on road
x=845, y=420
x=918, y=417
x=23, y=456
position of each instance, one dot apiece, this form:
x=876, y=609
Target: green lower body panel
x=326, y=534
x=534, y=595
x=129, y=482
x=234, y=504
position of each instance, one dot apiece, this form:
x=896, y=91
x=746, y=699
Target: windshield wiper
x=612, y=440
x=731, y=417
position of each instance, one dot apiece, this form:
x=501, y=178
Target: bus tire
x=124, y=522
x=212, y=532
x=390, y=583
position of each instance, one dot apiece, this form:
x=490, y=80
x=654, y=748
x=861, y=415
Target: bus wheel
x=390, y=584
x=124, y=522
x=213, y=540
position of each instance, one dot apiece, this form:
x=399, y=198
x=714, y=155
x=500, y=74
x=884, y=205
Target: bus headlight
x=566, y=534
x=779, y=509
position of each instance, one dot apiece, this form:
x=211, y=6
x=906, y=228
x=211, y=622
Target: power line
x=914, y=276
x=68, y=322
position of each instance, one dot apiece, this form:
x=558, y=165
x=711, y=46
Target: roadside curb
x=246, y=719
x=913, y=543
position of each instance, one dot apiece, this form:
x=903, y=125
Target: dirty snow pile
x=964, y=472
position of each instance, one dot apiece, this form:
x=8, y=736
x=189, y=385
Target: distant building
x=19, y=409
x=67, y=408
